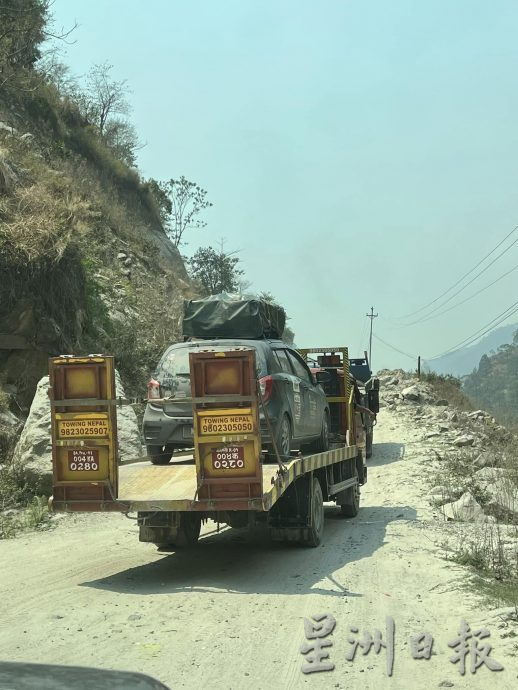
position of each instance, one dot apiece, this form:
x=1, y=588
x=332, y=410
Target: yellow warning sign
x=91, y=427
x=226, y=424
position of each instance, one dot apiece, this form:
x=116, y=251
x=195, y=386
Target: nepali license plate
x=226, y=424
x=86, y=460
x=72, y=428
x=228, y=458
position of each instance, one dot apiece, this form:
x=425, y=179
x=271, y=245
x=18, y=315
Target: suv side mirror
x=322, y=377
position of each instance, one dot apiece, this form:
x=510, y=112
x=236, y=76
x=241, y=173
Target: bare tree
x=104, y=97
x=57, y=73
x=243, y=285
x=186, y=201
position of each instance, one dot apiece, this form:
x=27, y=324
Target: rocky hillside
x=85, y=262
x=469, y=474
x=86, y=265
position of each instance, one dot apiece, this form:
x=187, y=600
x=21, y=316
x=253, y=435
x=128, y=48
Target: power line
x=454, y=306
x=486, y=328
x=501, y=317
x=425, y=318
x=414, y=357
x=494, y=324
x=462, y=278
x=480, y=333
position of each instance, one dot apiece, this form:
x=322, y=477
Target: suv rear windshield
x=175, y=362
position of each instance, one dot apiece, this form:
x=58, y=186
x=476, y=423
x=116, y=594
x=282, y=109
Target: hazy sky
x=356, y=153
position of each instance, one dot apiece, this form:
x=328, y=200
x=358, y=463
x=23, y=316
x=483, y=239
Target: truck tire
x=316, y=522
x=188, y=530
x=351, y=502
x=159, y=455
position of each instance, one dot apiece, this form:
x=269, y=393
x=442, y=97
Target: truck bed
x=172, y=487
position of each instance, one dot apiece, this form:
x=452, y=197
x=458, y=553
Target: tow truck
x=368, y=388
x=365, y=393
x=226, y=478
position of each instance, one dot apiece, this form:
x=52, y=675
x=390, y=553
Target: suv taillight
x=153, y=390
x=266, y=387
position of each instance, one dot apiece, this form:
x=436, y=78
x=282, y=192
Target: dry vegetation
x=68, y=208
x=449, y=388
x=18, y=507
x=69, y=205
x=61, y=230
x=490, y=548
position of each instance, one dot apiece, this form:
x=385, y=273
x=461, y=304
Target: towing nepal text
x=318, y=629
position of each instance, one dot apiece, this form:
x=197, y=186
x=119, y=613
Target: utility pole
x=371, y=316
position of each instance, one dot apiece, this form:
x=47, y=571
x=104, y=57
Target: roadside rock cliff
x=85, y=263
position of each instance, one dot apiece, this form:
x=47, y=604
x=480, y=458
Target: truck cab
x=368, y=385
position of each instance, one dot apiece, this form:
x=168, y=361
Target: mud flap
x=289, y=518
x=178, y=528
x=361, y=468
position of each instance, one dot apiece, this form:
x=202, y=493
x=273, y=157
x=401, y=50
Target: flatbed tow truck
x=226, y=478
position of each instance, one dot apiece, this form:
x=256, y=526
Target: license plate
x=229, y=458
x=73, y=428
x=226, y=424
x=83, y=460
x=188, y=431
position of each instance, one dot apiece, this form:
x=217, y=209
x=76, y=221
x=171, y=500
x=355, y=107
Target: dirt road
x=229, y=614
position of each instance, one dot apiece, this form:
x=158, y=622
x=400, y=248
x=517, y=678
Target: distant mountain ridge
x=465, y=360
x=494, y=384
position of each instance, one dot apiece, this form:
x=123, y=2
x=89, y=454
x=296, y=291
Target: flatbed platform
x=146, y=487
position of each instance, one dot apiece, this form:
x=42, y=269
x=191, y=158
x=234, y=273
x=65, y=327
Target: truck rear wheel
x=316, y=524
x=188, y=530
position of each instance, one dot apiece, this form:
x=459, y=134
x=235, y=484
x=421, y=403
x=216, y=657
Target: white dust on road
x=229, y=614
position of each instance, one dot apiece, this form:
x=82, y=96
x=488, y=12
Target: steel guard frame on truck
x=84, y=433
x=329, y=358
x=227, y=473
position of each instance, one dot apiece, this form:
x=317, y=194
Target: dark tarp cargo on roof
x=232, y=316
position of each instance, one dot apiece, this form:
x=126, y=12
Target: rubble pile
x=482, y=475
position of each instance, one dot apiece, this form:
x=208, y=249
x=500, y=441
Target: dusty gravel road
x=229, y=614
